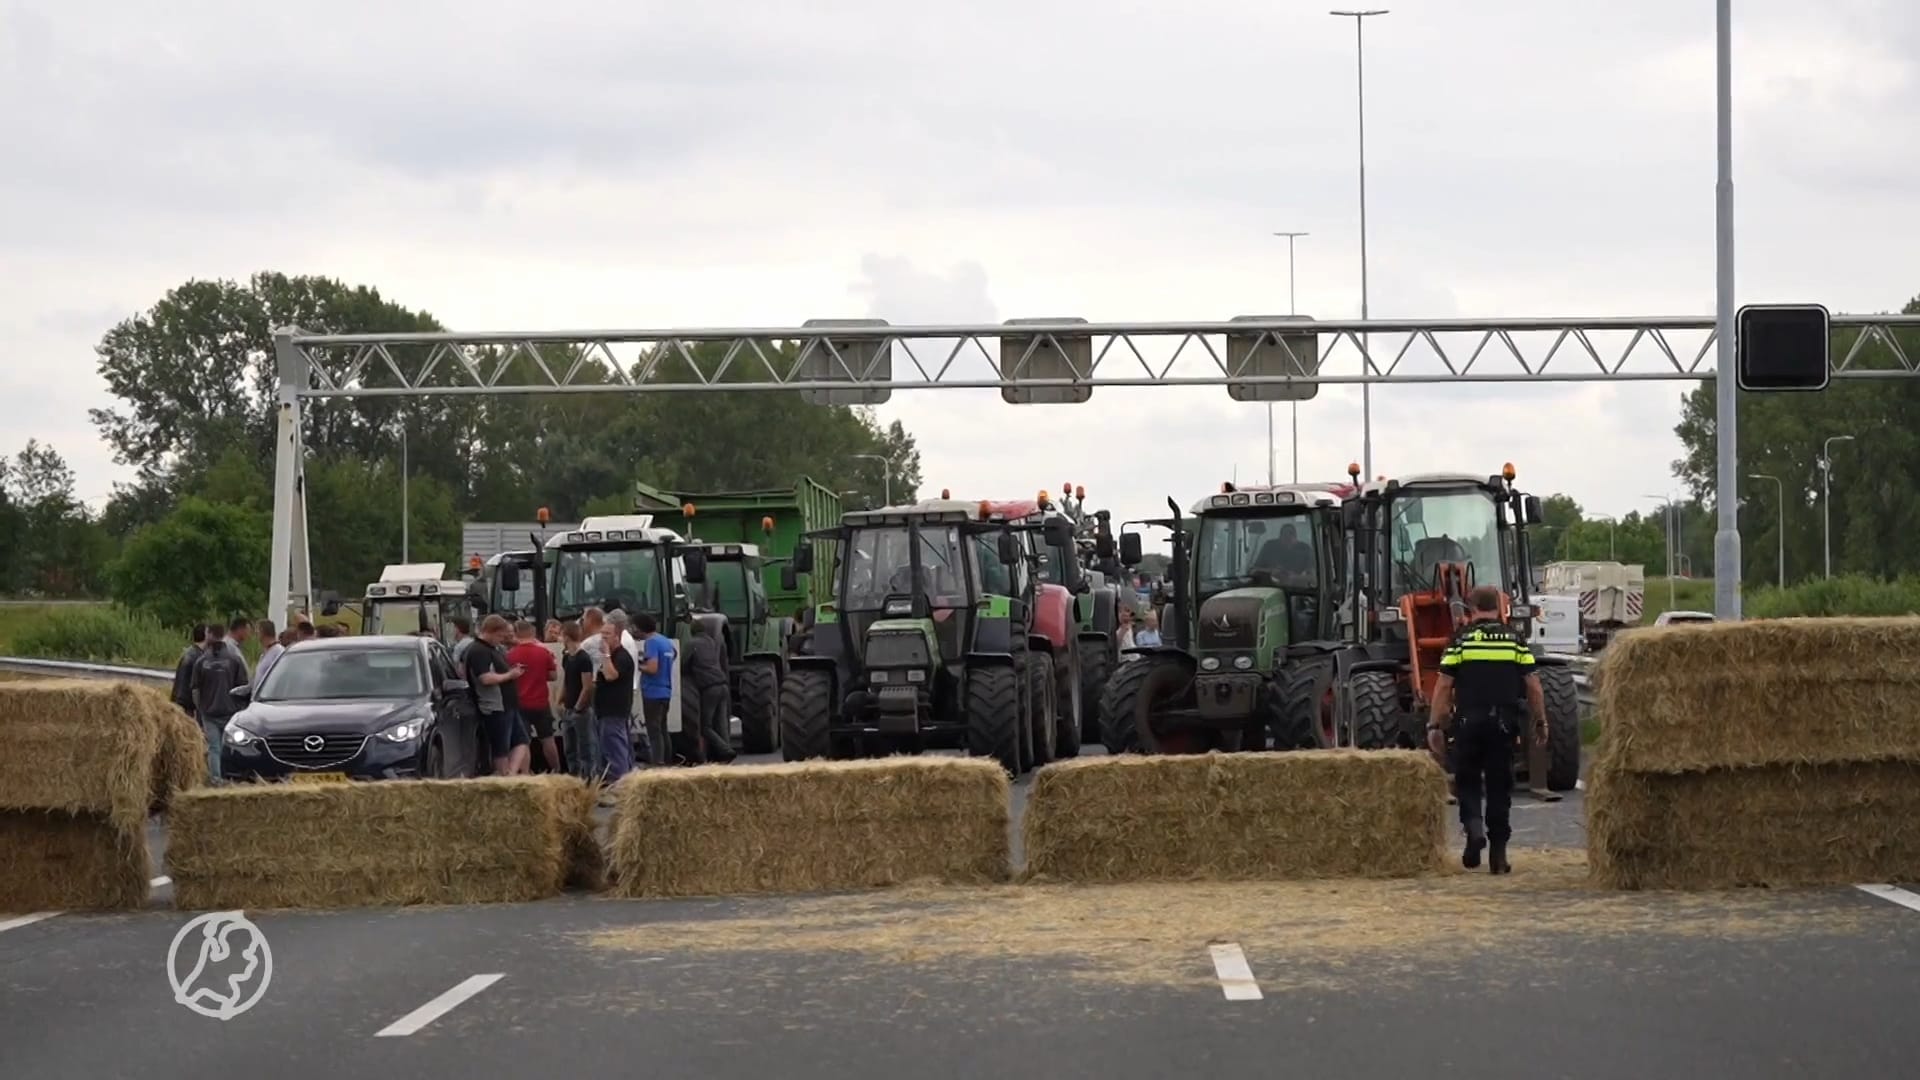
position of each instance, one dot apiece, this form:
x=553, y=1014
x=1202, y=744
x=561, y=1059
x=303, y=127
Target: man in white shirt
x=270, y=655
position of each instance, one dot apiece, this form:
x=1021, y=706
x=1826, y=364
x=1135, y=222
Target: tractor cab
x=619, y=562
x=415, y=598
x=1265, y=572
x=506, y=584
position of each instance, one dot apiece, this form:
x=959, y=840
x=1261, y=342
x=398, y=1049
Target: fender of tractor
x=1053, y=616
x=1106, y=604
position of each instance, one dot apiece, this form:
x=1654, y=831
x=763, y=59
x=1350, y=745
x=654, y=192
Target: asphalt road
x=1531, y=975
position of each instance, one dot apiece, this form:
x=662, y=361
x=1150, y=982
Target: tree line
x=194, y=381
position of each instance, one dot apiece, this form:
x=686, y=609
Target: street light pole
x=886, y=477
x=1292, y=309
x=1673, y=592
x=406, y=514
x=1726, y=541
x=1360, y=70
x=1780, y=496
x=1826, y=498
x=1613, y=526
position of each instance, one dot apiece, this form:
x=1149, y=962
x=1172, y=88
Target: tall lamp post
x=1613, y=526
x=1292, y=309
x=1780, y=497
x=1667, y=506
x=1360, y=67
x=406, y=515
x=886, y=477
x=1826, y=498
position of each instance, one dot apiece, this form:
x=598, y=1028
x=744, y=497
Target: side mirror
x=694, y=561
x=1059, y=533
x=477, y=596
x=789, y=578
x=454, y=686
x=1350, y=515
x=1534, y=514
x=1103, y=548
x=330, y=608
x=1131, y=551
x=509, y=576
x=802, y=561
x=241, y=693
x=1009, y=548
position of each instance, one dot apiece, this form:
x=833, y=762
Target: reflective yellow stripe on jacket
x=1479, y=647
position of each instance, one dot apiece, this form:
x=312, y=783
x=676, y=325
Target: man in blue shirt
x=657, y=655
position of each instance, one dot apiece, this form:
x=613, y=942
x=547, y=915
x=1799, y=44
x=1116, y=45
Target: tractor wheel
x=1299, y=713
x=1132, y=696
x=759, y=708
x=1563, y=728
x=1116, y=707
x=1066, y=696
x=1096, y=666
x=806, y=715
x=1373, y=698
x=993, y=716
x=1044, y=714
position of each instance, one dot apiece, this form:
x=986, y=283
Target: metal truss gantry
x=1029, y=361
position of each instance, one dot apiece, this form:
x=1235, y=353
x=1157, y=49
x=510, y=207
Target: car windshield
x=1236, y=550
x=624, y=577
x=879, y=564
x=1430, y=528
x=343, y=674
x=726, y=588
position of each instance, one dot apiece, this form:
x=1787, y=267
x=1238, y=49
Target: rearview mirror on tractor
x=1059, y=533
x=1130, y=549
x=509, y=576
x=1350, y=515
x=789, y=578
x=1009, y=551
x=802, y=562
x=1534, y=514
x=694, y=565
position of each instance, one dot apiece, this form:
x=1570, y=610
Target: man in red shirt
x=535, y=689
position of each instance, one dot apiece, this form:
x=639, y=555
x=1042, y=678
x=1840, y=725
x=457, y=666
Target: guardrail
x=78, y=669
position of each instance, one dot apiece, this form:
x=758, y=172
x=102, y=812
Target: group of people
x=605, y=704
x=214, y=664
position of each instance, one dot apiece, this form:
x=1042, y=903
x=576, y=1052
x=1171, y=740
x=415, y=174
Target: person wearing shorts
x=488, y=674
x=534, y=690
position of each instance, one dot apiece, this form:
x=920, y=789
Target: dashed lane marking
x=160, y=882
x=19, y=921
x=1893, y=894
x=438, y=1007
x=1236, y=978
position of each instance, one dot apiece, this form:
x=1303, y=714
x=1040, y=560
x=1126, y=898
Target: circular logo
x=219, y=964
x=313, y=743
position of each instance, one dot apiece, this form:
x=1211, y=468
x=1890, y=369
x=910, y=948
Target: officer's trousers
x=1483, y=771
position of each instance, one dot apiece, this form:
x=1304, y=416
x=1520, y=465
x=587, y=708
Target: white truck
x=1557, y=630
x=1612, y=596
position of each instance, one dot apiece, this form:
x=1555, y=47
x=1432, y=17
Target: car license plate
x=317, y=778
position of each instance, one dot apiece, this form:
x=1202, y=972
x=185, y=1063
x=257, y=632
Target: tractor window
x=1426, y=530
x=879, y=564
x=1054, y=563
x=517, y=604
x=627, y=578
x=398, y=617
x=1236, y=551
x=996, y=578
x=726, y=589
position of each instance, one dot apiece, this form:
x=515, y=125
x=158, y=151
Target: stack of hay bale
x=810, y=827
x=490, y=840
x=1221, y=817
x=1761, y=753
x=81, y=764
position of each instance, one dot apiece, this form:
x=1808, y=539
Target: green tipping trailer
x=737, y=517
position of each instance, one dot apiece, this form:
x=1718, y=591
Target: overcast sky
x=576, y=164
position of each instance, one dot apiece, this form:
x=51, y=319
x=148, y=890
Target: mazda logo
x=313, y=743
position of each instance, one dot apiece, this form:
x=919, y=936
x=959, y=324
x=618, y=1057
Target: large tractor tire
x=1373, y=703
x=1117, y=700
x=1043, y=714
x=993, y=716
x=1066, y=722
x=1096, y=667
x=1128, y=705
x=1563, y=727
x=1297, y=710
x=806, y=715
x=759, y=706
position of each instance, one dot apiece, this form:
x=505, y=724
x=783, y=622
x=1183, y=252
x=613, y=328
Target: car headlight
x=239, y=736
x=1244, y=663
x=405, y=730
x=1211, y=663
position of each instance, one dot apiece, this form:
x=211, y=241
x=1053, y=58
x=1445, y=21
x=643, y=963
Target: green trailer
x=740, y=517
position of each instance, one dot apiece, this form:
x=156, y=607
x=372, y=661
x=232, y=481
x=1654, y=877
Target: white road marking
x=1893, y=894
x=438, y=1007
x=1579, y=785
x=161, y=882
x=1236, y=978
x=25, y=920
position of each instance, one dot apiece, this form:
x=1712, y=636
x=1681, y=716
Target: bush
x=101, y=635
x=1852, y=595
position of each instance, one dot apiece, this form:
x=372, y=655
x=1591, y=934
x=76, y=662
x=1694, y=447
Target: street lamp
x=887, y=476
x=1366, y=357
x=406, y=516
x=1613, y=526
x=1292, y=309
x=1826, y=497
x=1672, y=592
x=1780, y=496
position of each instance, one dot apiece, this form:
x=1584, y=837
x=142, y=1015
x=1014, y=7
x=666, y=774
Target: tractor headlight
x=1243, y=663
x=877, y=676
x=916, y=675
x=1211, y=663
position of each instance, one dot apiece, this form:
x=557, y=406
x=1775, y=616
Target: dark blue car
x=356, y=708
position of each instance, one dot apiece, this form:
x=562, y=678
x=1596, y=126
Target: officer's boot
x=1476, y=840
x=1497, y=859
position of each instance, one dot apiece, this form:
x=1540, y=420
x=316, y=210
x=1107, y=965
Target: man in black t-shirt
x=488, y=673
x=613, y=701
x=578, y=730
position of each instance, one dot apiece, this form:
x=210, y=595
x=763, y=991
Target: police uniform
x=1489, y=665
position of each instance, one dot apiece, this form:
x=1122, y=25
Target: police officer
x=1486, y=674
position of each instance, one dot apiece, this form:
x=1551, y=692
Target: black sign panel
x=1782, y=347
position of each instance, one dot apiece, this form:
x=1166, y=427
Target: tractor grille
x=897, y=651
x=314, y=751
x=1230, y=624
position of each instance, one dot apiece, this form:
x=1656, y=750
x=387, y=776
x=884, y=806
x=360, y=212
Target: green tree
x=56, y=548
x=203, y=560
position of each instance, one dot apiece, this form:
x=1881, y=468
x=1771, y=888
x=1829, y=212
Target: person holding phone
x=487, y=672
x=613, y=701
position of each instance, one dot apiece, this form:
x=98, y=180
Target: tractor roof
x=1434, y=479
x=614, y=527
x=724, y=551
x=1277, y=495
x=946, y=510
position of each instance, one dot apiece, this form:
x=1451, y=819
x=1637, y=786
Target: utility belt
x=1503, y=720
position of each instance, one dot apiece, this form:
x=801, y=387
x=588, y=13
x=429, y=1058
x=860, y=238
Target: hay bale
x=1226, y=817
x=1816, y=825
x=810, y=827
x=1776, y=692
x=586, y=857
x=80, y=747
x=51, y=860
x=181, y=764
x=491, y=840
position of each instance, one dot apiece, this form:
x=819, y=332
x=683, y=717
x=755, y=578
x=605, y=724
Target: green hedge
x=103, y=635
x=1837, y=596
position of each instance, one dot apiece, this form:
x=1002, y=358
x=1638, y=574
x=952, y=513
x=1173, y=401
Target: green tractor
x=934, y=638
x=729, y=579
x=1250, y=634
